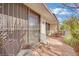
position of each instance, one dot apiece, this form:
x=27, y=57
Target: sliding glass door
x=34, y=27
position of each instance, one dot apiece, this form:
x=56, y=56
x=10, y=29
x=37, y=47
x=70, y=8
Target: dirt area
x=53, y=48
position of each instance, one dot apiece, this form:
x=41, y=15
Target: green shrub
x=72, y=25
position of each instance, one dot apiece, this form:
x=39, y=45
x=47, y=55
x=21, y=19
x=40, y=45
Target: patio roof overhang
x=42, y=10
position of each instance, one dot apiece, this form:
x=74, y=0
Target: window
x=6, y=8
x=1, y=8
x=34, y=27
x=13, y=16
x=47, y=28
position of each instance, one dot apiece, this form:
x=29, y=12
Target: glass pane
x=1, y=7
x=13, y=16
x=34, y=32
x=6, y=8
x=47, y=28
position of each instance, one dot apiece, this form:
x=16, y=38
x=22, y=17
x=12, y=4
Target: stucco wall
x=42, y=29
x=53, y=28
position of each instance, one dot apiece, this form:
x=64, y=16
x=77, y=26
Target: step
x=25, y=52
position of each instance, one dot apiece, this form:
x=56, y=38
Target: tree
x=71, y=26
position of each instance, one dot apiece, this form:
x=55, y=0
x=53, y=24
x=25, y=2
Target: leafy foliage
x=71, y=25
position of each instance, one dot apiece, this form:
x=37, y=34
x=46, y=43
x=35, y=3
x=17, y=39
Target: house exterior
x=24, y=23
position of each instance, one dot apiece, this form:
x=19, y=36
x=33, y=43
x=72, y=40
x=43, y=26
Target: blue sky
x=61, y=11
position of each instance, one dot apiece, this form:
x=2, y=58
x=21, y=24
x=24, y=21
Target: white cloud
x=60, y=19
x=56, y=10
x=60, y=11
x=78, y=11
x=65, y=13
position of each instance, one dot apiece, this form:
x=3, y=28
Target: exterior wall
x=42, y=29
x=18, y=26
x=14, y=25
x=53, y=28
